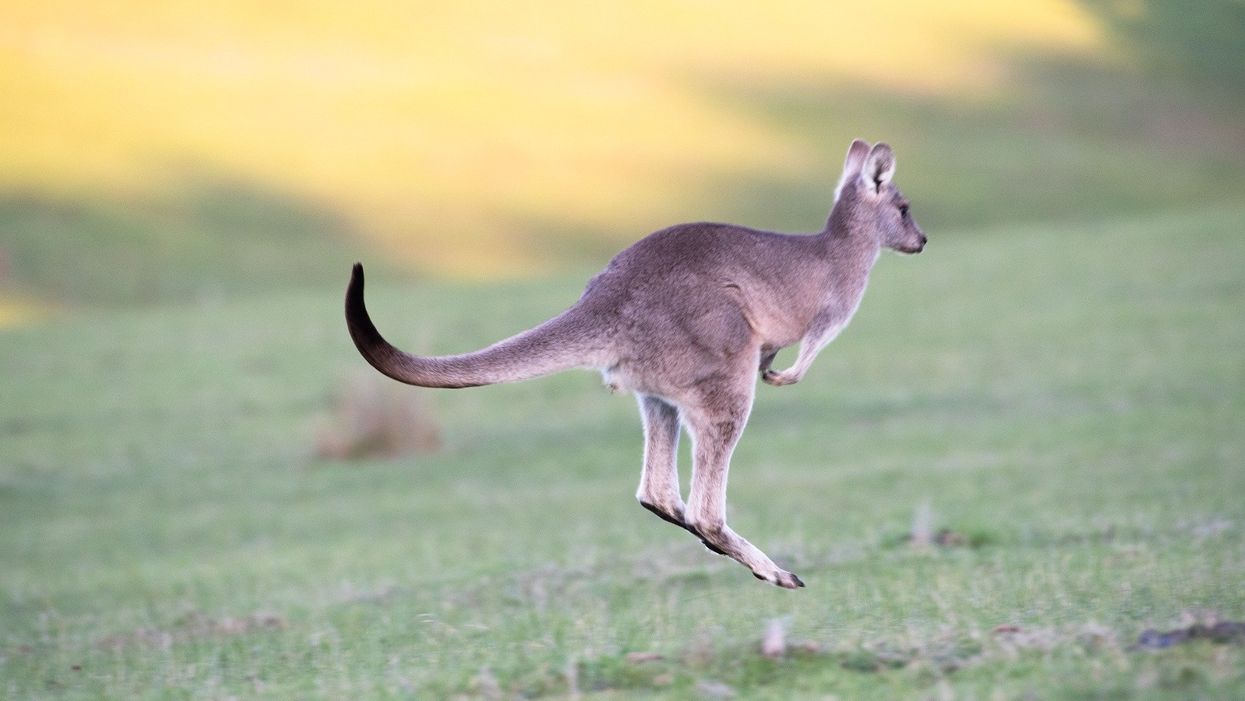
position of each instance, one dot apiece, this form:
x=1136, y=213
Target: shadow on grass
x=1061, y=141
x=1205, y=48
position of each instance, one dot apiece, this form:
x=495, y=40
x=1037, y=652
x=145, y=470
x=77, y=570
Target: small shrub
x=376, y=417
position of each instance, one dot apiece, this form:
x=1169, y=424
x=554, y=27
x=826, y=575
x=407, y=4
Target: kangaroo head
x=867, y=204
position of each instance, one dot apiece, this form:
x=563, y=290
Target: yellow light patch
x=438, y=128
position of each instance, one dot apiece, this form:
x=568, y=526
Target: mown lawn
x=1067, y=401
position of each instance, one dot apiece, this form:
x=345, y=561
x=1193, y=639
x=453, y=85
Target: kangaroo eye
x=903, y=210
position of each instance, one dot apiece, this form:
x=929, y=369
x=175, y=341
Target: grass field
x=1053, y=392
x=1068, y=400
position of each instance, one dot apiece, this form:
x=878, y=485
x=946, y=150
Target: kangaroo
x=682, y=319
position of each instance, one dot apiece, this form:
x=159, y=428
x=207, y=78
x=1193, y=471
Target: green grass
x=1069, y=397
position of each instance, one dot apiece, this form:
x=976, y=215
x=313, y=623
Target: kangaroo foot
x=671, y=517
x=719, y=538
x=676, y=517
x=781, y=578
x=703, y=541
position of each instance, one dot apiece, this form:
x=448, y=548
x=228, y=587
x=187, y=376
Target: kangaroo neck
x=850, y=256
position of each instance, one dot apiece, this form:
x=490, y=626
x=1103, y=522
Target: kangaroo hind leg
x=659, y=482
x=715, y=425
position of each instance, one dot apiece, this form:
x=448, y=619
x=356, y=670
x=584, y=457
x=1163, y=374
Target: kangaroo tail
x=562, y=343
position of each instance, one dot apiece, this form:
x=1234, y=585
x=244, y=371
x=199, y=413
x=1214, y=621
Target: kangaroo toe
x=781, y=578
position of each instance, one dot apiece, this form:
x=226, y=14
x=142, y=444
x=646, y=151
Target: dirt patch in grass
x=192, y=626
x=712, y=670
x=1223, y=632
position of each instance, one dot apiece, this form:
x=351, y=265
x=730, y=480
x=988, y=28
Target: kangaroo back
x=564, y=342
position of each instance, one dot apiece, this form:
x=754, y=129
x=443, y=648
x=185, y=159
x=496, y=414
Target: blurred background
x=1025, y=452
x=154, y=152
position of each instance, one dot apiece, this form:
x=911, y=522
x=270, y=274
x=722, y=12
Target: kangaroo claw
x=782, y=578
x=777, y=379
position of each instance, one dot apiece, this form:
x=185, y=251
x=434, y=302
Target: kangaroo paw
x=778, y=379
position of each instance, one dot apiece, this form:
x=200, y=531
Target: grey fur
x=683, y=318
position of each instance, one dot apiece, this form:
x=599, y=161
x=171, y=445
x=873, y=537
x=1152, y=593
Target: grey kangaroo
x=683, y=319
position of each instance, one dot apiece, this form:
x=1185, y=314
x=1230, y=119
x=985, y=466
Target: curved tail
x=562, y=343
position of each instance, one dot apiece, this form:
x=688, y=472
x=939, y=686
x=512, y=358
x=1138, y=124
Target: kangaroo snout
x=914, y=249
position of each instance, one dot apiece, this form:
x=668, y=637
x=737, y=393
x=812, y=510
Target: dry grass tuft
x=922, y=536
x=374, y=417
x=485, y=684
x=192, y=626
x=774, y=641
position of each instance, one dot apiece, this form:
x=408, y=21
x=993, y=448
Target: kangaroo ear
x=852, y=165
x=879, y=167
